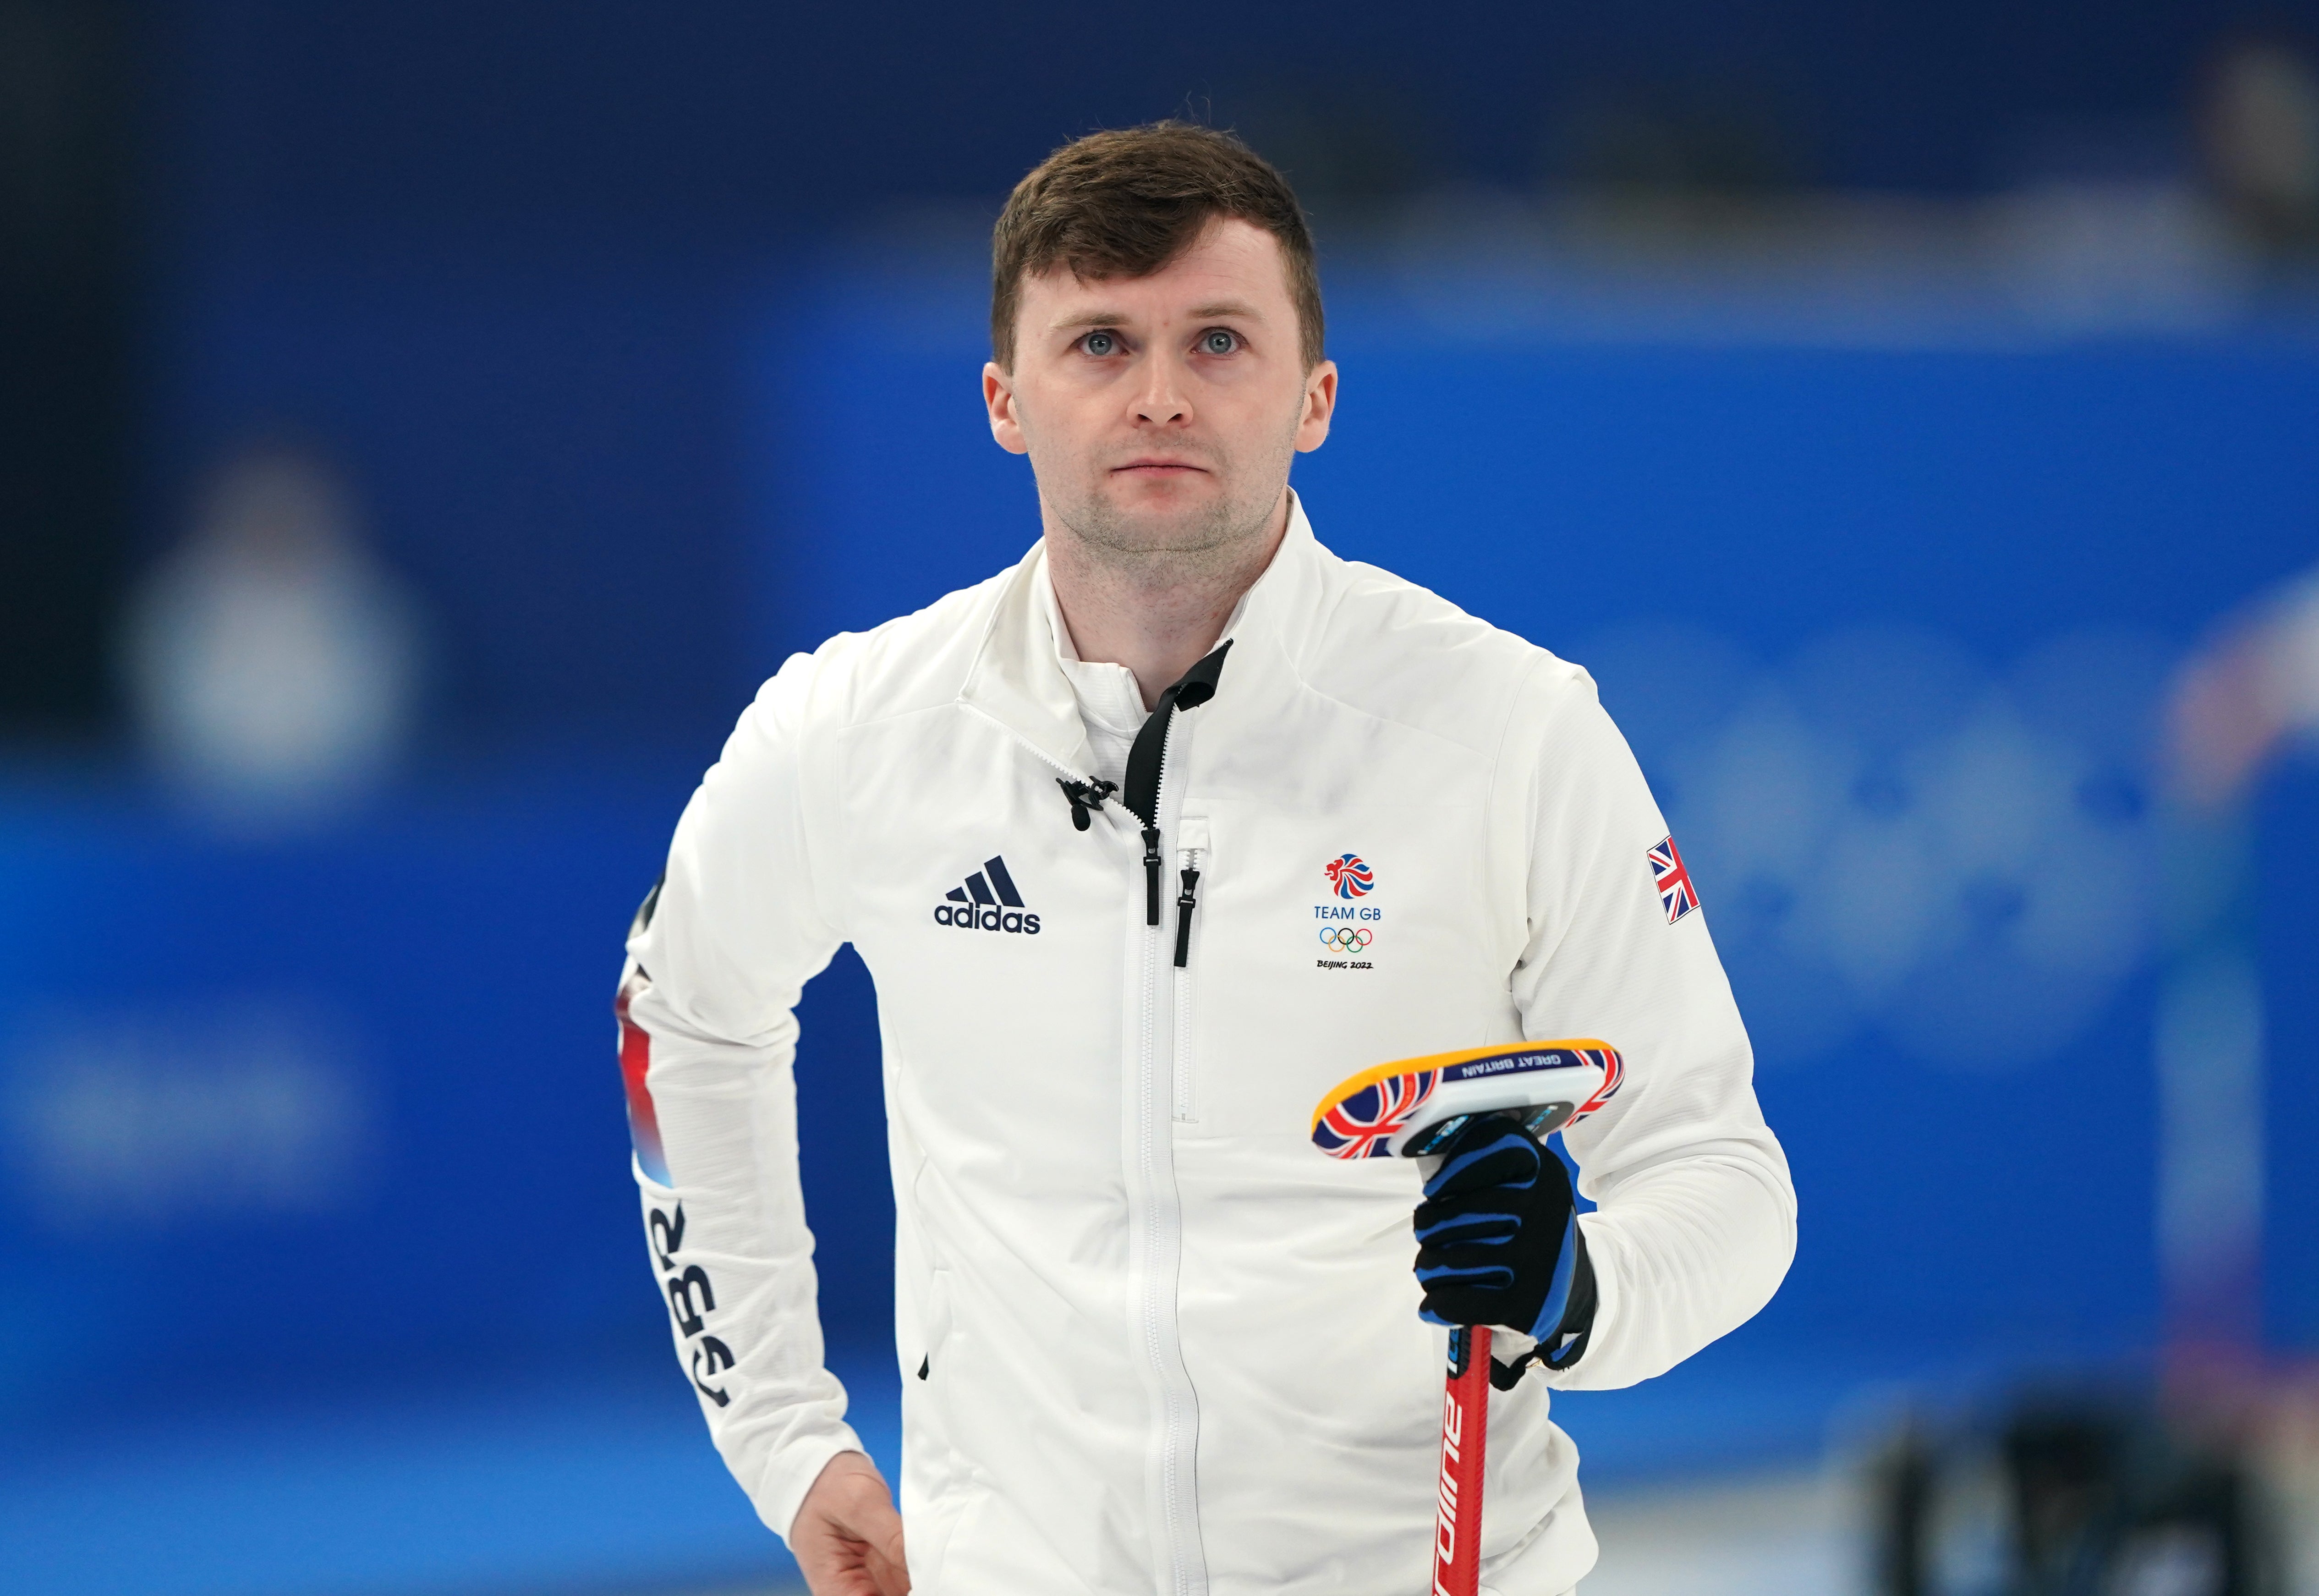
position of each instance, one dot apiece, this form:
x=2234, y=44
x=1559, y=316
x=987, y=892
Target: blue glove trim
x=1506, y=1226
x=1557, y=1295
x=1492, y=1277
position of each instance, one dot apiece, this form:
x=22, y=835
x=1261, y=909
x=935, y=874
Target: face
x=1161, y=413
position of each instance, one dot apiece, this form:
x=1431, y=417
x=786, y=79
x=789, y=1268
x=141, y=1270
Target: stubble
x=1198, y=546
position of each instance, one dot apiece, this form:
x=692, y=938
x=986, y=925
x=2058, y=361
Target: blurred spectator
x=272, y=661
x=2254, y=689
x=2260, y=127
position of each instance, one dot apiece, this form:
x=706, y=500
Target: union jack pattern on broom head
x=1409, y=1108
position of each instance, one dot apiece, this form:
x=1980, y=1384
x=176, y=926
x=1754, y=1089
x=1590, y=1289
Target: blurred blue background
x=1881, y=407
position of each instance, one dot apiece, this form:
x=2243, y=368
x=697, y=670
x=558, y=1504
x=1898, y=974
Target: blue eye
x=1217, y=341
x=1100, y=343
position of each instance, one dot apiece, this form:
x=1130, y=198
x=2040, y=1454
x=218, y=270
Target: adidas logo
x=987, y=902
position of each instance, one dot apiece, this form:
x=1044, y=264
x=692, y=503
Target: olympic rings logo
x=1347, y=939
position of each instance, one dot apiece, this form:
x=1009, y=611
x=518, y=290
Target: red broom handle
x=1465, y=1437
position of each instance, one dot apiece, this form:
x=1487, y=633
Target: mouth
x=1157, y=466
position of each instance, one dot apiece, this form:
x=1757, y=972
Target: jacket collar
x=1017, y=678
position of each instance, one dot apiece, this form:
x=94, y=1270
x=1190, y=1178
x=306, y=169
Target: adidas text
x=990, y=901
x=966, y=917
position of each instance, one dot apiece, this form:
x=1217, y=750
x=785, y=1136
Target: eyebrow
x=1111, y=318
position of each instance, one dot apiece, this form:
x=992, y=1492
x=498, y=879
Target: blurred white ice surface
x=1753, y=1535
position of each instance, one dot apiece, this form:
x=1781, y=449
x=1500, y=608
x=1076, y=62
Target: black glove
x=1498, y=1240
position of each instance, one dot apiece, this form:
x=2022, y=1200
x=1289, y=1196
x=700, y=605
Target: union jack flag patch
x=1677, y=895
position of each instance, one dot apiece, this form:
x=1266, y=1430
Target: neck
x=1158, y=614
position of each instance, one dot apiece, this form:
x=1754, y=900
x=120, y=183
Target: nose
x=1163, y=400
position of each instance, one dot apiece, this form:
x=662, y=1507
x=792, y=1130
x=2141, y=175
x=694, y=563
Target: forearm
x=728, y=1242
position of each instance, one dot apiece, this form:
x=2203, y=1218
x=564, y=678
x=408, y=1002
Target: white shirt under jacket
x=1167, y=1344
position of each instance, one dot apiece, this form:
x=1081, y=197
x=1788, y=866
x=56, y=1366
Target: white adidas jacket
x=1152, y=1340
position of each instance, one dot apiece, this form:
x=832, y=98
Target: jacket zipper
x=1188, y=873
x=1163, y=1243
x=1152, y=846
x=1185, y=900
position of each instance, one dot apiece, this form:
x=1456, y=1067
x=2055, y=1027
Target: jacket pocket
x=933, y=1278
x=934, y=1326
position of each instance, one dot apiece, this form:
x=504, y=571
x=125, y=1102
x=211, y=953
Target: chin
x=1152, y=517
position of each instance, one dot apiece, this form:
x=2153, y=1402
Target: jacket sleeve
x=716, y=962
x=1696, y=1216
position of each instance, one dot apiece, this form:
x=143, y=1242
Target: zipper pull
x=1152, y=875
x=1183, y=917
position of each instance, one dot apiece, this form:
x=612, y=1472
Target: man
x=1088, y=824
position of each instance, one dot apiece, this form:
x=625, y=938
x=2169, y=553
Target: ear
x=998, y=399
x=1320, y=404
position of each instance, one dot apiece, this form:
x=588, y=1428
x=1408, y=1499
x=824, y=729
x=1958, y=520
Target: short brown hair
x=1126, y=201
